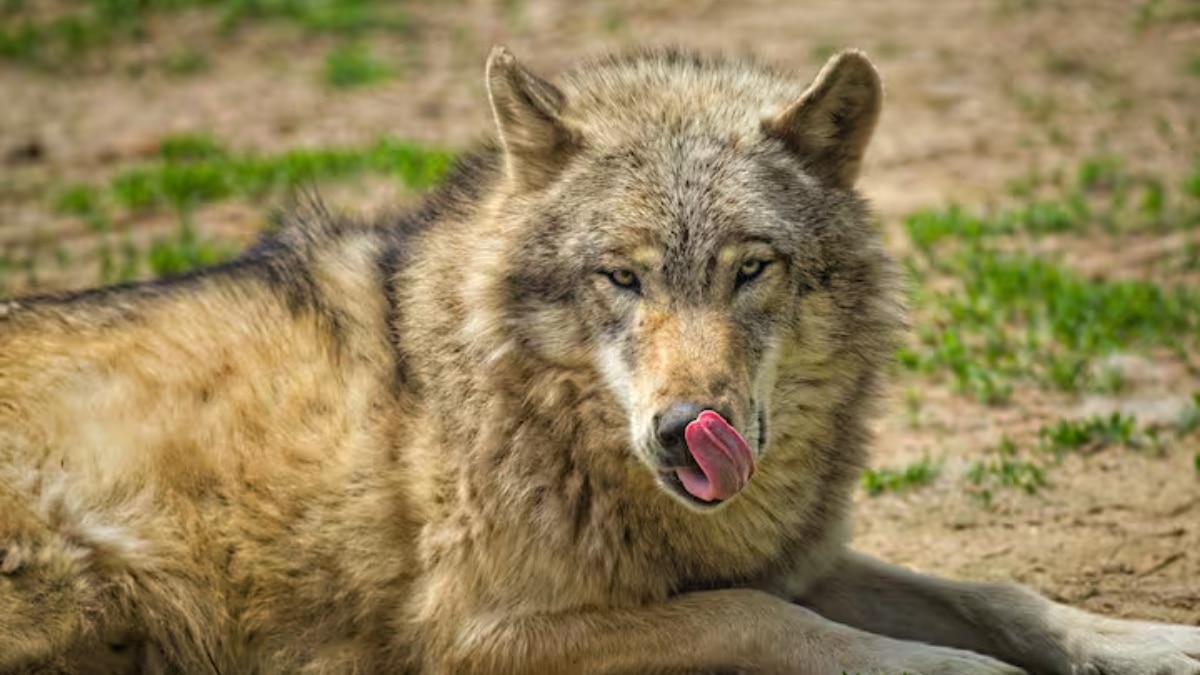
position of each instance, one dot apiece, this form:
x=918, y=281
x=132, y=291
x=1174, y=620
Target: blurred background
x=1036, y=170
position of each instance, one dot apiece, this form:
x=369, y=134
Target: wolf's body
x=442, y=444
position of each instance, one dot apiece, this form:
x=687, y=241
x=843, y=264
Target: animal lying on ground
x=597, y=407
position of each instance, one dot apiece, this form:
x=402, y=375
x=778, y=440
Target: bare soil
x=980, y=93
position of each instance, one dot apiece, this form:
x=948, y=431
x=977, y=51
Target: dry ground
x=980, y=94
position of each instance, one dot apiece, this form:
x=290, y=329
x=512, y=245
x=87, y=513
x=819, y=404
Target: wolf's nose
x=671, y=423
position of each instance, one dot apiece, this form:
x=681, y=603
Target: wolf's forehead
x=629, y=99
x=682, y=190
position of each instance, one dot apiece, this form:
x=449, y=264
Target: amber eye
x=624, y=279
x=750, y=270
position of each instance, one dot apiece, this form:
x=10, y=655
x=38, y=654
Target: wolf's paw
x=1137, y=648
x=897, y=657
x=941, y=661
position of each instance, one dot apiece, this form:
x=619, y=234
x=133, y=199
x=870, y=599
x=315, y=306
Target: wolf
x=597, y=406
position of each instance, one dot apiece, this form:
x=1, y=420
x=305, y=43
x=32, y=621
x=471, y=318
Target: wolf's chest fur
x=557, y=501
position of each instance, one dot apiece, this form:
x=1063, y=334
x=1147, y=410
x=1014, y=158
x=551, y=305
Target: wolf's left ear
x=831, y=124
x=528, y=117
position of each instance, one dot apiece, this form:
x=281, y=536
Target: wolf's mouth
x=669, y=480
x=714, y=465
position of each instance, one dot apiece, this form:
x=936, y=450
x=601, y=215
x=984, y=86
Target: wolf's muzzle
x=671, y=424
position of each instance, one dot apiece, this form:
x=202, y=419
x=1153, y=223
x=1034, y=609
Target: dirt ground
x=979, y=93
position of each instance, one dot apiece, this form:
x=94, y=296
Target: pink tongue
x=724, y=457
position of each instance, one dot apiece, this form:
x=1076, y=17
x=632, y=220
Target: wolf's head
x=688, y=229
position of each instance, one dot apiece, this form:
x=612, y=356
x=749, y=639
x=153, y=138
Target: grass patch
x=1007, y=468
x=84, y=202
x=1191, y=184
x=354, y=66
x=1017, y=315
x=185, y=252
x=1005, y=471
x=185, y=63
x=194, y=170
x=84, y=28
x=917, y=474
x=77, y=200
x=1151, y=12
x=184, y=148
x=1012, y=316
x=1092, y=434
x=120, y=265
x=352, y=17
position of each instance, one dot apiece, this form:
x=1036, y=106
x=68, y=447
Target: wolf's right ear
x=831, y=123
x=528, y=117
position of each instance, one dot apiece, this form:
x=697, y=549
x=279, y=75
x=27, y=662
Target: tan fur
x=432, y=444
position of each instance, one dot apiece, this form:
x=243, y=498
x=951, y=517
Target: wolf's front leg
x=1003, y=620
x=717, y=631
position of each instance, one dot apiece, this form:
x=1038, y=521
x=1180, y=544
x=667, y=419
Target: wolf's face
x=677, y=265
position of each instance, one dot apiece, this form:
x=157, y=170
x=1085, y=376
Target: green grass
x=90, y=27
x=1005, y=471
x=84, y=202
x=918, y=474
x=185, y=251
x=1017, y=316
x=180, y=252
x=1079, y=314
x=1151, y=12
x=121, y=265
x=1007, y=468
x=185, y=63
x=347, y=17
x=195, y=147
x=1092, y=434
x=1013, y=317
x=193, y=170
x=354, y=66
x=1191, y=184
x=990, y=475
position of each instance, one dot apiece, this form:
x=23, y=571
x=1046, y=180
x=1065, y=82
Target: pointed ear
x=831, y=124
x=527, y=110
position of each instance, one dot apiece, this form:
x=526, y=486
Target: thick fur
x=428, y=444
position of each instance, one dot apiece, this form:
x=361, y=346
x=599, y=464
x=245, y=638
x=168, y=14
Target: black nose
x=671, y=423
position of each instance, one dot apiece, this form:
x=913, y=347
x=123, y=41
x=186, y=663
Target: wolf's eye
x=624, y=279
x=750, y=270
